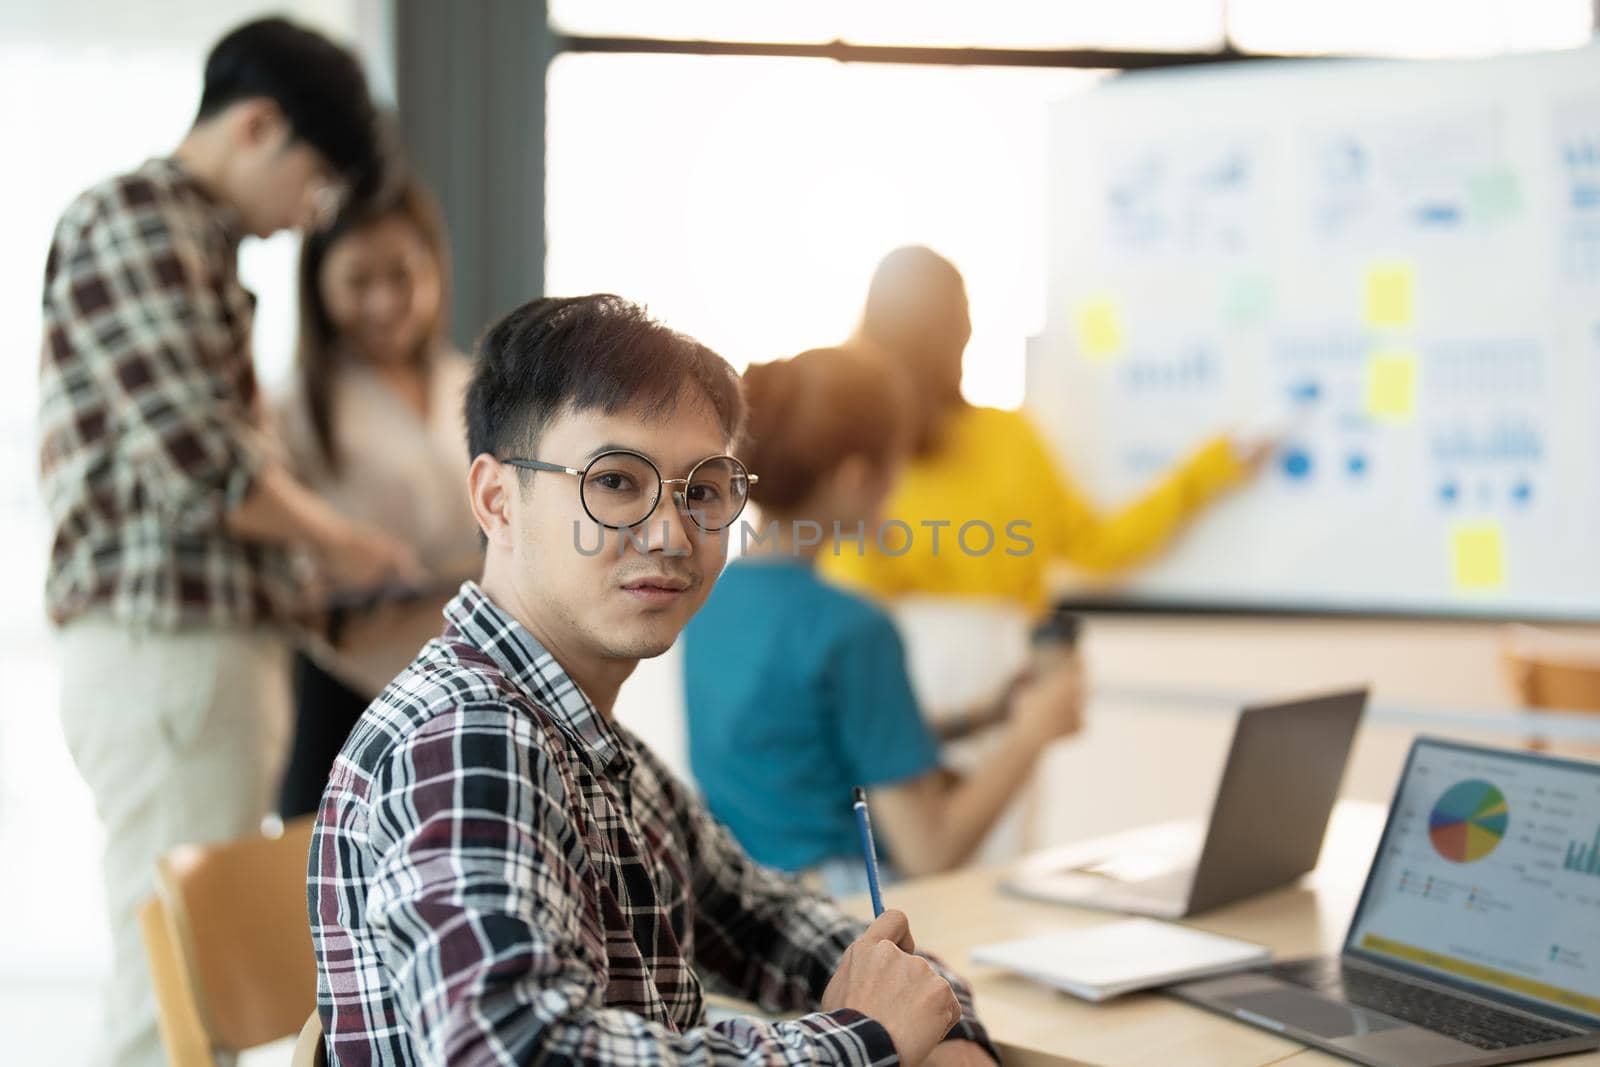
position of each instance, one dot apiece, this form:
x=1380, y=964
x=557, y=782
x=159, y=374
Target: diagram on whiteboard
x=1182, y=198
x=1419, y=174
x=1396, y=268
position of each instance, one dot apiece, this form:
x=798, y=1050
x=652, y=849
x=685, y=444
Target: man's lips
x=672, y=585
x=661, y=590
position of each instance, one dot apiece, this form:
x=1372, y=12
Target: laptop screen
x=1488, y=876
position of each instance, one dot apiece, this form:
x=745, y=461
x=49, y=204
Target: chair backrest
x=1556, y=672
x=182, y=1034
x=309, y=1051
x=230, y=944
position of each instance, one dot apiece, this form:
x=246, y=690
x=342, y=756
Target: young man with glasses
x=502, y=874
x=168, y=573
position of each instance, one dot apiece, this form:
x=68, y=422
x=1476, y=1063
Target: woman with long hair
x=374, y=424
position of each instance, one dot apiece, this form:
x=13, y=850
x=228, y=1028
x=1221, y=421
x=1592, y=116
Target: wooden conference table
x=1035, y=1026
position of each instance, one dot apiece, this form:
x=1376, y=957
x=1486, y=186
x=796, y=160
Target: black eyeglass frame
x=678, y=495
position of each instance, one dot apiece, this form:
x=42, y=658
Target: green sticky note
x=1247, y=301
x=1493, y=196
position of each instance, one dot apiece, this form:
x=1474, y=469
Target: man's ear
x=490, y=484
x=257, y=122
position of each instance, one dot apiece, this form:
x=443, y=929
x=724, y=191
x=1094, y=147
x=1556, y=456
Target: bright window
x=1416, y=28
x=1168, y=25
x=1390, y=27
x=748, y=200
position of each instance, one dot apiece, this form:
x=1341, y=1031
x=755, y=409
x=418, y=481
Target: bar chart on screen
x=1585, y=859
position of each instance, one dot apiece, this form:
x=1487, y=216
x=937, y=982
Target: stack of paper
x=1119, y=957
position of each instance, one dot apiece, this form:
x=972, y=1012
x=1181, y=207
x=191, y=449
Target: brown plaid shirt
x=149, y=416
x=499, y=875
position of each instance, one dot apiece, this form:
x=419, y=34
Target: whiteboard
x=1396, y=262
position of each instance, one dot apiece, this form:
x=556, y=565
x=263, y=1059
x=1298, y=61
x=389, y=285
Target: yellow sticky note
x=1477, y=556
x=1391, y=386
x=1389, y=293
x=1099, y=328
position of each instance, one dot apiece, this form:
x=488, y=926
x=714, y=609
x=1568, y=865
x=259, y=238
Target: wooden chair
x=229, y=945
x=309, y=1051
x=1556, y=673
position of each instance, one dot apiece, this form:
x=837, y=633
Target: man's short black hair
x=585, y=353
x=317, y=85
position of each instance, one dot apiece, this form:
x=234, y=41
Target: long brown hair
x=808, y=414
x=317, y=351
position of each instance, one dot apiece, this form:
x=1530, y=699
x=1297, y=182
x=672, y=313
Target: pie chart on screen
x=1468, y=821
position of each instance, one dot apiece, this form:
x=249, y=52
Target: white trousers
x=181, y=736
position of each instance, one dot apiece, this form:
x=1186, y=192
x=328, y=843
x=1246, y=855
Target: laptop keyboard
x=1476, y=1024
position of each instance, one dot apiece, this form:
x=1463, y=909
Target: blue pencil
x=868, y=852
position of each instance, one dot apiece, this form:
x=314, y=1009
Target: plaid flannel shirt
x=149, y=415
x=498, y=875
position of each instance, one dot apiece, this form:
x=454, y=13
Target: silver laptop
x=1271, y=812
x=1477, y=939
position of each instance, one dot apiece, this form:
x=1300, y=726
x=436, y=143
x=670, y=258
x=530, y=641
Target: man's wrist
x=958, y=1050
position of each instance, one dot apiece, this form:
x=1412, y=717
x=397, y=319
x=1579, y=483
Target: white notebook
x=1119, y=957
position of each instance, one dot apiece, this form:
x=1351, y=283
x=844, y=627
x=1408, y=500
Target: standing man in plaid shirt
x=168, y=572
x=502, y=874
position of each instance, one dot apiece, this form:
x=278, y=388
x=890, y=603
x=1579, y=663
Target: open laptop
x=1477, y=939
x=1271, y=811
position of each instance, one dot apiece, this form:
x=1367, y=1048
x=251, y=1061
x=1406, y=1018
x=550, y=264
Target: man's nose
x=669, y=529
x=677, y=532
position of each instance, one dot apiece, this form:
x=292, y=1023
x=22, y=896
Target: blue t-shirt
x=797, y=691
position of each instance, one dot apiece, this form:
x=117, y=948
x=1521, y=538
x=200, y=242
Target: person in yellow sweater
x=977, y=465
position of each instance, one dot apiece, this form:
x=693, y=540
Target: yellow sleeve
x=1108, y=543
x=871, y=573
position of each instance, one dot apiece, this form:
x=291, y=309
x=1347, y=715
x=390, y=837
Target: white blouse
x=402, y=472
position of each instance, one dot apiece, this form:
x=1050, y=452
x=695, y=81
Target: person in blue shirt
x=797, y=690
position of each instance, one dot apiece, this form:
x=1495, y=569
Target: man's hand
x=878, y=977
x=958, y=1053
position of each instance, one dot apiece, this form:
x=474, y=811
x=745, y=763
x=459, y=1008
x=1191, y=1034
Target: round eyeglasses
x=620, y=488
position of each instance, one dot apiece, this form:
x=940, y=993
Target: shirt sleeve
x=881, y=733
x=770, y=940
x=480, y=902
x=153, y=338
x=1109, y=542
